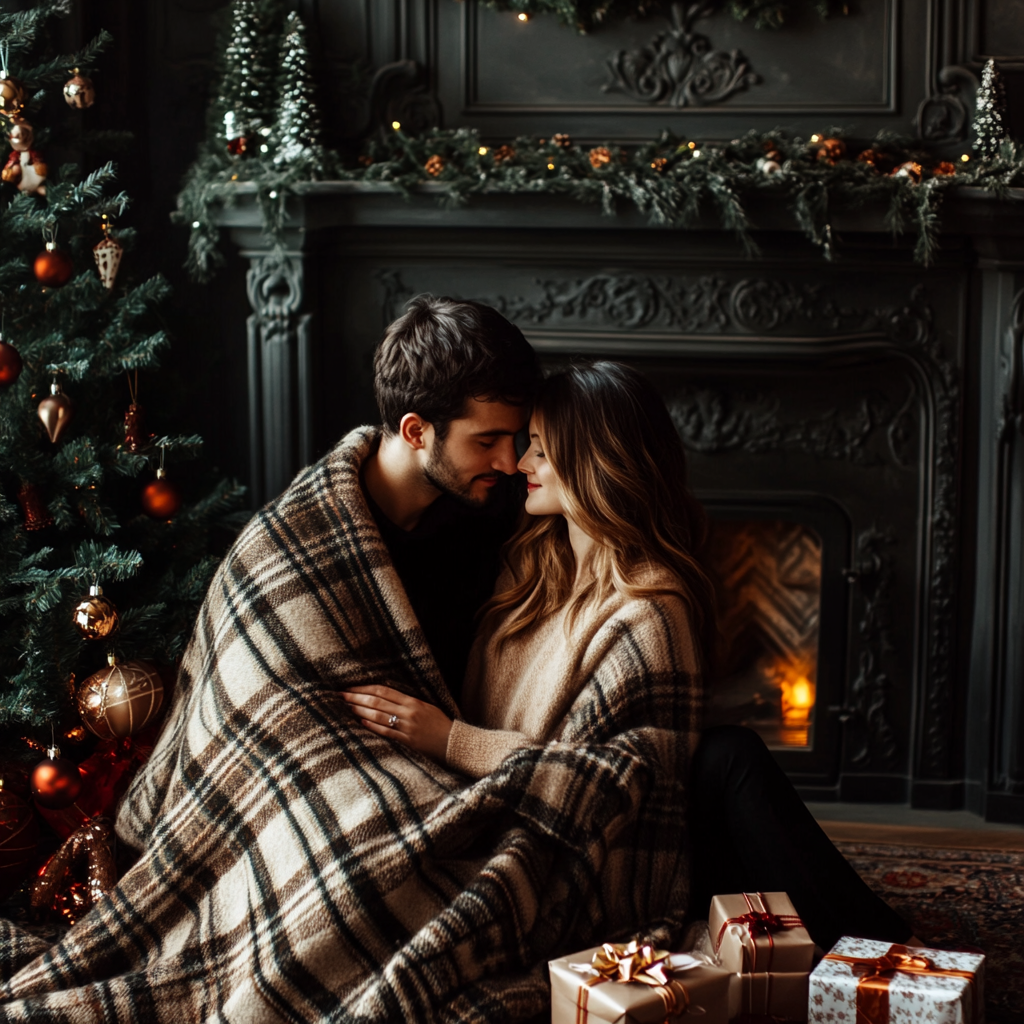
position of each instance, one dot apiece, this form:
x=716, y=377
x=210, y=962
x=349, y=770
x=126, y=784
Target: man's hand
x=415, y=723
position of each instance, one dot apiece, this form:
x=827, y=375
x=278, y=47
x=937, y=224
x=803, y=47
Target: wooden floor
x=901, y=826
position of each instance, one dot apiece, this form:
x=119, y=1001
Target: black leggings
x=750, y=832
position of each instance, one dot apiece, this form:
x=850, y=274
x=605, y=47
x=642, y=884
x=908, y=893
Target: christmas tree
x=86, y=501
x=295, y=138
x=244, y=85
x=989, y=126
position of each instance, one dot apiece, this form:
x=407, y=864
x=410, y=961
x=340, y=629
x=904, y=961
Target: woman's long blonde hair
x=622, y=470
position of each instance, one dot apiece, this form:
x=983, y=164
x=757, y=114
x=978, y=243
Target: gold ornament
x=831, y=150
x=95, y=616
x=12, y=96
x=910, y=170
x=600, y=156
x=79, y=92
x=559, y=139
x=121, y=699
x=56, y=411
x=57, y=889
x=503, y=154
x=435, y=165
x=107, y=253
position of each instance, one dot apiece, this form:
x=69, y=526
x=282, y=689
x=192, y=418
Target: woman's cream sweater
x=521, y=693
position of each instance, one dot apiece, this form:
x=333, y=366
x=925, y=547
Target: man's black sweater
x=448, y=565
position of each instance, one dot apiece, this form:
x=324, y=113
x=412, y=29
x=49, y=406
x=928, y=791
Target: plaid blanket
x=296, y=867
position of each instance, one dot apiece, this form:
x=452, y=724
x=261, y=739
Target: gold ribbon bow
x=637, y=962
x=875, y=973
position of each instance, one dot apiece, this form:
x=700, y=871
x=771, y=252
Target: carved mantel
x=615, y=284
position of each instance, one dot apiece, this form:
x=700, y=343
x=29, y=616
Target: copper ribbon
x=760, y=922
x=634, y=962
x=876, y=972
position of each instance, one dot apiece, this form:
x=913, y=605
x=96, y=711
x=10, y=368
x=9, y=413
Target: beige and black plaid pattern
x=296, y=867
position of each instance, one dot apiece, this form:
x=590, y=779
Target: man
x=451, y=380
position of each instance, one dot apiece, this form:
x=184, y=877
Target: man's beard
x=440, y=473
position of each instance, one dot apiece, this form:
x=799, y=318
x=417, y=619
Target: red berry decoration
x=53, y=267
x=19, y=836
x=161, y=499
x=55, y=781
x=238, y=146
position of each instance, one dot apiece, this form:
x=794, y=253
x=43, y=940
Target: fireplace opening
x=782, y=615
x=768, y=579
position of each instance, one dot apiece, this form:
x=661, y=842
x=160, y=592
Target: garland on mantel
x=586, y=15
x=670, y=180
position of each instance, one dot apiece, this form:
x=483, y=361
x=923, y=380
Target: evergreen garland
x=80, y=517
x=670, y=180
x=586, y=15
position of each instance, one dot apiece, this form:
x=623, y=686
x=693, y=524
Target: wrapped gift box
x=879, y=983
x=574, y=1001
x=759, y=932
x=773, y=995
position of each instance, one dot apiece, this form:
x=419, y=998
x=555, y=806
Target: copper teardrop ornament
x=56, y=412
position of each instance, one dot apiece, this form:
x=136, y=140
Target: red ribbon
x=875, y=973
x=760, y=922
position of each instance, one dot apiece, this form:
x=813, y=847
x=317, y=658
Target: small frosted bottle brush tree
x=990, y=114
x=88, y=496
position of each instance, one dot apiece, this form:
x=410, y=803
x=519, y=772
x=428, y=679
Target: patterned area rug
x=958, y=898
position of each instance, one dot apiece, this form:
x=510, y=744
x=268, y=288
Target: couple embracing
x=429, y=735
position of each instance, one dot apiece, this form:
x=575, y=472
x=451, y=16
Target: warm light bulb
x=696, y=152
x=692, y=145
x=965, y=157
x=482, y=151
x=523, y=16
x=815, y=138
x=396, y=125
x=551, y=167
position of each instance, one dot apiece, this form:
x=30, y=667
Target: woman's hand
x=416, y=724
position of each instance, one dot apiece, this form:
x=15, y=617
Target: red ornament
x=55, y=781
x=161, y=499
x=19, y=836
x=53, y=267
x=56, y=411
x=33, y=508
x=238, y=146
x=10, y=363
x=134, y=435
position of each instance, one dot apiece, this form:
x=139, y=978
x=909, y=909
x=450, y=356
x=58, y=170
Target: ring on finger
x=393, y=722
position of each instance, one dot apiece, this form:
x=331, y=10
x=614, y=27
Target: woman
x=603, y=553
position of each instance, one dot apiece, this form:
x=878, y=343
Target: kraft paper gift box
x=772, y=994
x=879, y=983
x=760, y=932
x=574, y=1001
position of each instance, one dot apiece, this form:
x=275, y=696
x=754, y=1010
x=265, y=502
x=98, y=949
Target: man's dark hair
x=441, y=352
